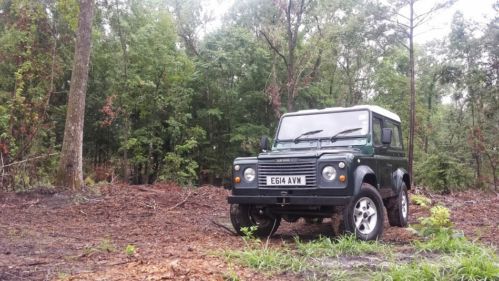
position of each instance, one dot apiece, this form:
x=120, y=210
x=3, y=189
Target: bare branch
x=421, y=18
x=273, y=47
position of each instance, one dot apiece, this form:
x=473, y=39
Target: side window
x=376, y=131
x=396, y=143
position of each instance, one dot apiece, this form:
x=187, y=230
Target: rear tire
x=248, y=216
x=398, y=208
x=364, y=216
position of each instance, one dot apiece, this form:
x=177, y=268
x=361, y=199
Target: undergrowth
x=457, y=258
x=476, y=266
x=345, y=245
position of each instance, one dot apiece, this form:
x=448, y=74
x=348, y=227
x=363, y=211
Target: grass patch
x=301, y=259
x=344, y=245
x=104, y=246
x=477, y=266
x=445, y=242
x=268, y=259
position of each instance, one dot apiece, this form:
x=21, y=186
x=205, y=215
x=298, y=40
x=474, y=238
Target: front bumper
x=290, y=200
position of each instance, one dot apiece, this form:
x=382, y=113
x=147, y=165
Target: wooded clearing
x=180, y=234
x=120, y=121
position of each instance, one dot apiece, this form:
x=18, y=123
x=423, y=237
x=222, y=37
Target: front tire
x=364, y=215
x=398, y=208
x=248, y=216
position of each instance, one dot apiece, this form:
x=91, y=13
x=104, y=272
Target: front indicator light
x=342, y=178
x=237, y=179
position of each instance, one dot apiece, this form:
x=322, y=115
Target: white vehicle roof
x=373, y=108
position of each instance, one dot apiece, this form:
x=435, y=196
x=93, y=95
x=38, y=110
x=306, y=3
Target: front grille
x=295, y=167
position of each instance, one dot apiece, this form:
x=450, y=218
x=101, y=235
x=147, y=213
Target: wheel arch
x=364, y=174
x=400, y=176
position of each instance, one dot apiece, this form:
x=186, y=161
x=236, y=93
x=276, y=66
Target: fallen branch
x=31, y=203
x=27, y=160
x=224, y=227
x=35, y=263
x=179, y=204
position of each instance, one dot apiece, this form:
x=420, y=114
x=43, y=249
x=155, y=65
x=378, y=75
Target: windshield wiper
x=333, y=138
x=307, y=134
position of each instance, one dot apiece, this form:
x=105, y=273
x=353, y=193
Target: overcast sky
x=438, y=27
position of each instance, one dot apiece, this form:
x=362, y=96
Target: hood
x=308, y=153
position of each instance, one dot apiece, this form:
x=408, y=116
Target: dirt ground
x=176, y=233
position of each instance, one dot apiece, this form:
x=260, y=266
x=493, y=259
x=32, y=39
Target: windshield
x=327, y=125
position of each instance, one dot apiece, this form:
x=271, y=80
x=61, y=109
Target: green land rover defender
x=347, y=163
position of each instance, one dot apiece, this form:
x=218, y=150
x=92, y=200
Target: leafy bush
x=441, y=172
x=438, y=221
x=179, y=167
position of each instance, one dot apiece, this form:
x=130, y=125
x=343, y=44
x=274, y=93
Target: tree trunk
x=412, y=122
x=70, y=172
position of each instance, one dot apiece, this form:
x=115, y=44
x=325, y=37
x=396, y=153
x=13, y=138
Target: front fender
x=363, y=174
x=398, y=179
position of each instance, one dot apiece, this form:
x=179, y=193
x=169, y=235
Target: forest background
x=169, y=102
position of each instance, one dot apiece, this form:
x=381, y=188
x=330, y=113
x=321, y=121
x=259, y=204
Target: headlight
x=249, y=174
x=329, y=173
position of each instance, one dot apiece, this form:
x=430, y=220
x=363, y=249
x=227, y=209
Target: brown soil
x=178, y=233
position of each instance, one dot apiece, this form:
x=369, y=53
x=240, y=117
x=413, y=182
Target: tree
x=290, y=17
x=406, y=25
x=71, y=163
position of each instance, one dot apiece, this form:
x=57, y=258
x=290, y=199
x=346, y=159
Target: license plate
x=286, y=180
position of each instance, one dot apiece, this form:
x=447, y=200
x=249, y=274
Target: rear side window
x=396, y=141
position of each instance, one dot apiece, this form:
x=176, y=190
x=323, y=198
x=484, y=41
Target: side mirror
x=265, y=143
x=386, y=136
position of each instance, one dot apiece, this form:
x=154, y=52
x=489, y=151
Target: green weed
x=130, y=250
x=446, y=242
x=104, y=246
x=476, y=266
x=269, y=259
x=344, y=245
x=420, y=200
x=231, y=274
x=438, y=221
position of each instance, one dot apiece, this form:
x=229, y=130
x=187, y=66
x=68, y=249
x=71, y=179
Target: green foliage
x=450, y=243
x=178, y=167
x=441, y=172
x=476, y=266
x=268, y=259
x=164, y=103
x=439, y=221
x=259, y=256
x=130, y=250
x=345, y=245
x=421, y=200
